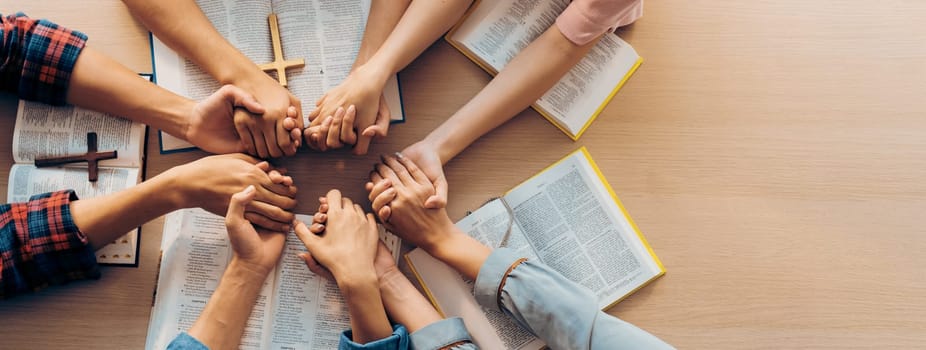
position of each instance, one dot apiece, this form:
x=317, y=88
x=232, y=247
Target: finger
x=242, y=118
x=278, y=189
x=322, y=136
x=385, y=213
x=308, y=238
x=264, y=166
x=313, y=117
x=386, y=173
x=319, y=218
x=374, y=176
x=267, y=223
x=260, y=143
x=241, y=98
x=235, y=214
x=334, y=135
x=439, y=199
x=379, y=188
x=315, y=267
x=363, y=144
x=295, y=111
x=321, y=100
x=358, y=209
x=413, y=169
x=272, y=133
x=334, y=201
x=323, y=208
x=296, y=135
x=384, y=199
x=346, y=203
x=317, y=228
x=271, y=197
x=348, y=135
x=399, y=169
x=272, y=212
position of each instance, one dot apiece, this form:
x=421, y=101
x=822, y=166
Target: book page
x=454, y=297
x=192, y=263
x=27, y=180
x=498, y=30
x=46, y=131
x=309, y=312
x=489, y=225
x=577, y=228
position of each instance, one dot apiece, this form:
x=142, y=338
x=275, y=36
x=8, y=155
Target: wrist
x=440, y=241
x=177, y=193
x=372, y=73
x=356, y=279
x=240, y=270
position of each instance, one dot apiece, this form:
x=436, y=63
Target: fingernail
x=399, y=155
x=249, y=189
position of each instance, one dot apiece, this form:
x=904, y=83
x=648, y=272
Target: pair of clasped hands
x=342, y=240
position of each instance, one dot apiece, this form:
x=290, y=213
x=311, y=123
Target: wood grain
x=772, y=152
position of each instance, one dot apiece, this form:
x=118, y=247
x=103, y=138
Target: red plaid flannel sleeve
x=40, y=245
x=37, y=58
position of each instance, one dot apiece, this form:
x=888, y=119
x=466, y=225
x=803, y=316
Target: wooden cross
x=92, y=157
x=279, y=64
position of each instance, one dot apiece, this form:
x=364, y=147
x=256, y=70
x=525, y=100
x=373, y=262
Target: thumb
x=235, y=215
x=308, y=238
x=439, y=198
x=243, y=99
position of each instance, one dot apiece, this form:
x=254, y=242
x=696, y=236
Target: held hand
x=363, y=89
x=210, y=182
x=347, y=247
x=257, y=251
x=405, y=191
x=425, y=156
x=211, y=124
x=384, y=263
x=266, y=135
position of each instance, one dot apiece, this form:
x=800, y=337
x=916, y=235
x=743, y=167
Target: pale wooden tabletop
x=772, y=152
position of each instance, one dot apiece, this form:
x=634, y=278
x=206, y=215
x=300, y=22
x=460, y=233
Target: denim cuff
x=440, y=334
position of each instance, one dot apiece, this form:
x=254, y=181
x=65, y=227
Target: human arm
x=347, y=249
x=382, y=57
x=403, y=302
x=222, y=322
x=184, y=28
x=561, y=312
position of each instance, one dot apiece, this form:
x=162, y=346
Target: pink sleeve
x=584, y=20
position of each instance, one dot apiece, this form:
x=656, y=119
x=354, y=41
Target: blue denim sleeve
x=398, y=340
x=442, y=334
x=560, y=312
x=186, y=342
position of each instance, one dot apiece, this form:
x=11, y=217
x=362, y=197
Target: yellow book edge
x=424, y=286
x=482, y=64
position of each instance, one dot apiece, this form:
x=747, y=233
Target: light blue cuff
x=185, y=341
x=440, y=334
x=398, y=340
x=491, y=275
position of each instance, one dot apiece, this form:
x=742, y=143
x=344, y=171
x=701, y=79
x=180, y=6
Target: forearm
x=384, y=15
x=367, y=316
x=404, y=303
x=225, y=316
x=461, y=252
x=422, y=23
x=103, y=219
x=184, y=28
x=100, y=83
x=522, y=82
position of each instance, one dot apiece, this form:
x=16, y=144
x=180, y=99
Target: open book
x=296, y=309
x=567, y=217
x=493, y=31
x=44, y=131
x=326, y=34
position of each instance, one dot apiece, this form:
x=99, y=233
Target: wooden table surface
x=772, y=152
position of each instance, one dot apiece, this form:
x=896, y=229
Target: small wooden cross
x=279, y=64
x=92, y=157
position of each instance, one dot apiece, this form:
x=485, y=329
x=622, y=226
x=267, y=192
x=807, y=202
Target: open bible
x=567, y=217
x=44, y=131
x=326, y=34
x=493, y=31
x=296, y=309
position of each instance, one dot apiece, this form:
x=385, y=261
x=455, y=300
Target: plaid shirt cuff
x=37, y=58
x=42, y=246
